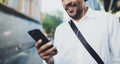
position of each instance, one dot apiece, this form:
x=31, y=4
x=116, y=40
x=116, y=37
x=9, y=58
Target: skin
x=76, y=9
x=46, y=54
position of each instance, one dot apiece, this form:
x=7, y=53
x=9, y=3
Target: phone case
x=36, y=34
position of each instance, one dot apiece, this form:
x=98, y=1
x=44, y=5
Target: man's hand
x=46, y=51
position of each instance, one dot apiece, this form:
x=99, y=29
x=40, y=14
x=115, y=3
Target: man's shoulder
x=103, y=16
x=103, y=13
x=62, y=25
x=106, y=16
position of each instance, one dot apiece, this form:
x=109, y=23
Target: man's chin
x=71, y=15
x=74, y=16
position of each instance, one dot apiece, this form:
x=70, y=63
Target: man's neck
x=83, y=12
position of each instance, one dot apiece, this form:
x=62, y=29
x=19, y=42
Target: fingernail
x=35, y=44
x=39, y=41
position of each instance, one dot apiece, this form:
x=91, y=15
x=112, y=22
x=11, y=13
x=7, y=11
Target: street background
x=17, y=17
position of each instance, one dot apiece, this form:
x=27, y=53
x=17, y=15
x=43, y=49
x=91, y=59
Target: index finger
x=37, y=44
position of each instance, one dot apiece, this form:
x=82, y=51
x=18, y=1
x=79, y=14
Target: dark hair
x=85, y=0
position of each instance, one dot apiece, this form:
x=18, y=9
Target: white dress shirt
x=102, y=32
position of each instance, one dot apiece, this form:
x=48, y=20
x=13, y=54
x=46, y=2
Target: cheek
x=75, y=10
x=80, y=3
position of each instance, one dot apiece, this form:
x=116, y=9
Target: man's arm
x=114, y=39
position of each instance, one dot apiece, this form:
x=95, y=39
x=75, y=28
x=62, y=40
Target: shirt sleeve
x=59, y=45
x=114, y=39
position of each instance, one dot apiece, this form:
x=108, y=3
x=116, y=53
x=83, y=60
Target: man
x=100, y=29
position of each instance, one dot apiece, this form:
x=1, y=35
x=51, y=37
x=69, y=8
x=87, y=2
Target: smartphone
x=36, y=34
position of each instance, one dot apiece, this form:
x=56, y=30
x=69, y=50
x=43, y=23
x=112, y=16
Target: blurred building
x=30, y=8
x=17, y=17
